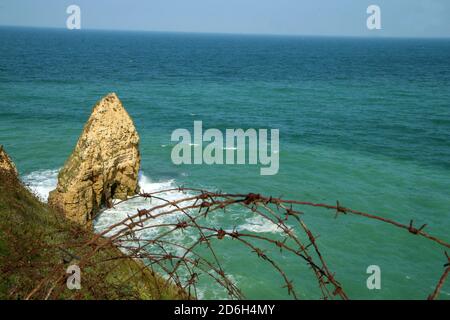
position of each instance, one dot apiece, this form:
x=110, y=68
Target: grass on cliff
x=34, y=240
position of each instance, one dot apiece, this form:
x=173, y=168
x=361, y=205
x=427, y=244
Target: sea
x=362, y=121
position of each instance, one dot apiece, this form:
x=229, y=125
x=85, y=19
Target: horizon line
x=231, y=33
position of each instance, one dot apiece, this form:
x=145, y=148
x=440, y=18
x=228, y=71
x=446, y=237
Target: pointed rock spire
x=103, y=166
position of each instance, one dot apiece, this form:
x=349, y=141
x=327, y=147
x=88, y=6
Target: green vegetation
x=37, y=243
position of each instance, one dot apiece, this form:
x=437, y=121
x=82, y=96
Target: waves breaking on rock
x=41, y=182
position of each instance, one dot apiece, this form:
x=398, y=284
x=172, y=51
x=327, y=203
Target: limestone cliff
x=6, y=164
x=103, y=166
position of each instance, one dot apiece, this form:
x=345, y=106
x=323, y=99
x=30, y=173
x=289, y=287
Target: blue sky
x=410, y=18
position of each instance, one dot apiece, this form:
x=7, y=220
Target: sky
x=399, y=18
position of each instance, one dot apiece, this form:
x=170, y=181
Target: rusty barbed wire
x=150, y=236
x=442, y=279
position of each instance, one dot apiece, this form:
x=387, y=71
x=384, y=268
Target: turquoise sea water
x=362, y=121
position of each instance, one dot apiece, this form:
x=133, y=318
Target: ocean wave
x=259, y=224
x=128, y=208
x=41, y=182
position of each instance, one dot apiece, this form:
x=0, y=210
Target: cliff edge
x=6, y=164
x=37, y=242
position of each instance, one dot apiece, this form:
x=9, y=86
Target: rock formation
x=6, y=164
x=103, y=166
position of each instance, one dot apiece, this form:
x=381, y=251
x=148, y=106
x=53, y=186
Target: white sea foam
x=41, y=182
x=259, y=224
x=210, y=292
x=125, y=209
